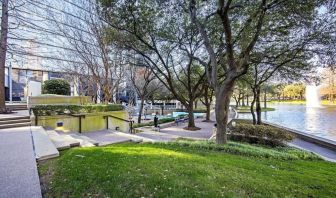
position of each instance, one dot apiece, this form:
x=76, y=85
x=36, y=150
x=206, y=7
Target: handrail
x=111, y=116
x=79, y=116
x=117, y=118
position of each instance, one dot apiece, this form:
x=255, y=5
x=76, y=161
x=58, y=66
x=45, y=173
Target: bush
x=151, y=123
x=261, y=134
x=56, y=86
x=195, y=110
x=43, y=110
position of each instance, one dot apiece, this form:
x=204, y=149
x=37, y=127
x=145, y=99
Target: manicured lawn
x=185, y=169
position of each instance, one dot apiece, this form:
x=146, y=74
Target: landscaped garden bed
x=245, y=131
x=151, y=123
x=187, y=169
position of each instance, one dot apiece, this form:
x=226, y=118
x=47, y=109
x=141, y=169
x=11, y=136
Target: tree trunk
x=223, y=96
x=252, y=107
x=237, y=102
x=195, y=104
x=191, y=120
x=207, y=103
x=247, y=100
x=258, y=106
x=3, y=51
x=141, y=109
x=265, y=99
x=239, y=99
x=207, y=116
x=243, y=99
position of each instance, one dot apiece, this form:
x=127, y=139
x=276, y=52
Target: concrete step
x=15, y=118
x=43, y=146
x=7, y=126
x=133, y=137
x=153, y=136
x=116, y=141
x=16, y=107
x=14, y=121
x=84, y=140
x=106, y=137
x=62, y=141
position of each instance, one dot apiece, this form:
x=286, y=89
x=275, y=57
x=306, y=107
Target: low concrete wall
x=57, y=100
x=91, y=122
x=305, y=136
x=308, y=137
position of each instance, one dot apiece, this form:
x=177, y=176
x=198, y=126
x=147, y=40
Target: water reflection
x=317, y=121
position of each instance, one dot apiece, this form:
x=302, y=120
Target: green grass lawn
x=187, y=169
x=246, y=109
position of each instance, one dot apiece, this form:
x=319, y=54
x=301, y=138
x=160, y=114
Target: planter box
x=57, y=100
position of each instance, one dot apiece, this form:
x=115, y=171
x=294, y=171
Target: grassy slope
x=183, y=170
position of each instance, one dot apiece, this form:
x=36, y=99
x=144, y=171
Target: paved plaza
x=18, y=170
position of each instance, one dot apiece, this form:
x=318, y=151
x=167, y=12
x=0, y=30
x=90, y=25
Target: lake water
x=317, y=121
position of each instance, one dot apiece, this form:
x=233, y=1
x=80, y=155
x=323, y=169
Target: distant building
x=23, y=82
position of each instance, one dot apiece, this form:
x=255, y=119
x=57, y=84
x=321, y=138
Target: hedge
x=151, y=123
x=47, y=110
x=261, y=134
x=195, y=110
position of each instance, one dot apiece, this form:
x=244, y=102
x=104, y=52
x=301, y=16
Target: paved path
x=18, y=171
x=204, y=133
x=154, y=136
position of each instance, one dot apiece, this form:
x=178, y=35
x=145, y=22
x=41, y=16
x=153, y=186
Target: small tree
x=56, y=86
x=144, y=83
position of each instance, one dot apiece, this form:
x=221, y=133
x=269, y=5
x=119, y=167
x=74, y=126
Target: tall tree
x=3, y=51
x=167, y=41
x=87, y=38
x=288, y=61
x=231, y=30
x=144, y=83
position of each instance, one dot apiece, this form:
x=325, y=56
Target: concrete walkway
x=204, y=133
x=326, y=153
x=18, y=171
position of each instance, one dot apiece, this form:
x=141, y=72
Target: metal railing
x=130, y=122
x=79, y=116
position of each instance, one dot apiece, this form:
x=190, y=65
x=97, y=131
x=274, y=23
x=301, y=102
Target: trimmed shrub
x=261, y=134
x=46, y=110
x=151, y=123
x=195, y=110
x=56, y=86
